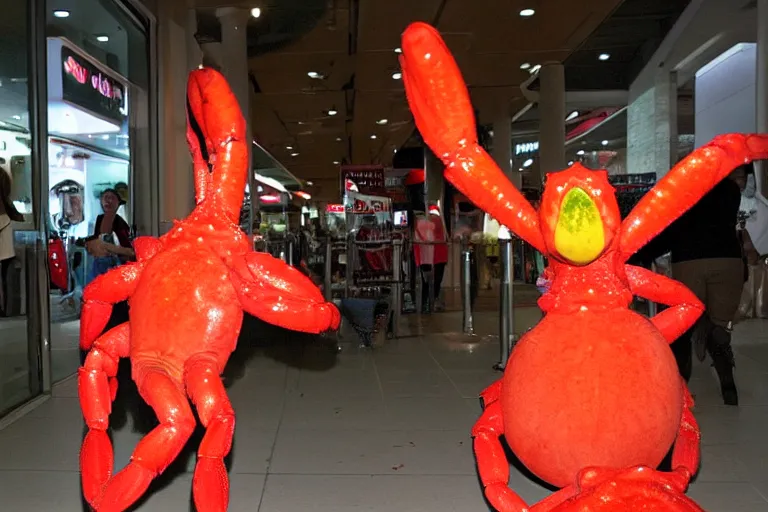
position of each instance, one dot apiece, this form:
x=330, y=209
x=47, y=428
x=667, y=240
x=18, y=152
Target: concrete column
x=234, y=65
x=761, y=169
x=652, y=138
x=552, y=119
x=502, y=148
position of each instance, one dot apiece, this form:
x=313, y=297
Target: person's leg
x=724, y=285
x=439, y=274
x=425, y=270
x=5, y=266
x=691, y=274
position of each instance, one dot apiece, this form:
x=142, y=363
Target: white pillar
x=665, y=113
x=552, y=118
x=761, y=169
x=234, y=66
x=502, y=148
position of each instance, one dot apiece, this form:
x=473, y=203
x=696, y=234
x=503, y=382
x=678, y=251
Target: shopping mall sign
x=91, y=89
x=526, y=148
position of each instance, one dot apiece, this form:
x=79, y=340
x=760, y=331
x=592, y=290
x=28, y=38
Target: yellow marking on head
x=579, y=235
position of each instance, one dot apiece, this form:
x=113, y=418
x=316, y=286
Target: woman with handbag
x=8, y=215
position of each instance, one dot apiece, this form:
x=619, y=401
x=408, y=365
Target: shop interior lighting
x=604, y=143
x=570, y=163
x=398, y=50
x=604, y=56
x=526, y=13
x=17, y=117
x=580, y=152
x=102, y=39
x=315, y=75
x=309, y=183
x=61, y=13
x=335, y=162
x=535, y=69
x=373, y=137
x=256, y=12
x=528, y=162
x=289, y=148
x=397, y=76
x=382, y=121
x=525, y=65
x=332, y=112
x=572, y=115
x=294, y=154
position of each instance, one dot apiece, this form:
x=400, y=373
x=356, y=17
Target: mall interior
x=433, y=293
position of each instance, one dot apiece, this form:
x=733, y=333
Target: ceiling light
x=570, y=163
x=309, y=183
x=373, y=137
x=335, y=162
x=604, y=143
x=294, y=154
x=289, y=148
x=525, y=65
x=580, y=152
x=604, y=56
x=102, y=39
x=398, y=50
x=382, y=121
x=528, y=162
x=394, y=150
x=525, y=13
x=338, y=139
x=333, y=112
x=255, y=12
x=397, y=76
x=572, y=115
x=17, y=117
x=314, y=74
x=535, y=69
x=61, y=13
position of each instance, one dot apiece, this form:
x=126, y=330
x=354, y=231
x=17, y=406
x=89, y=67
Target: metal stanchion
x=506, y=313
x=397, y=286
x=466, y=290
x=290, y=252
x=328, y=277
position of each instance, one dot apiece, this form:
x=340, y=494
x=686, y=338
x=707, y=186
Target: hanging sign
x=526, y=148
x=91, y=89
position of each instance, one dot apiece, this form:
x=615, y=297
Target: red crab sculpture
x=591, y=400
x=187, y=292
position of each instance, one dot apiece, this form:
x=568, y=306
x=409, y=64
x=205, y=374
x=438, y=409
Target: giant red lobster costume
x=187, y=292
x=591, y=400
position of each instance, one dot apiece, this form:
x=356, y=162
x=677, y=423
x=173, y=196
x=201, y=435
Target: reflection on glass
x=19, y=381
x=96, y=56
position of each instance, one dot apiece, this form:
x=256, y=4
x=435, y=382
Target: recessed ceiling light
x=61, y=13
x=294, y=154
x=525, y=65
x=335, y=162
x=333, y=112
x=255, y=12
x=397, y=76
x=17, y=117
x=528, y=162
x=394, y=150
x=580, y=152
x=572, y=115
x=310, y=183
x=398, y=50
x=373, y=137
x=535, y=69
x=605, y=143
x=314, y=74
x=604, y=56
x=338, y=139
x=525, y=13
x=382, y=121
x=102, y=39
x=289, y=148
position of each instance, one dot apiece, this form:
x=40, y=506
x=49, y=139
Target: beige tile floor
x=382, y=430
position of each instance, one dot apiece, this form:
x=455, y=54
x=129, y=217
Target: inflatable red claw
x=187, y=292
x=594, y=384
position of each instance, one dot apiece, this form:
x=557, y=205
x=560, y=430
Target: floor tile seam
x=368, y=474
x=445, y=372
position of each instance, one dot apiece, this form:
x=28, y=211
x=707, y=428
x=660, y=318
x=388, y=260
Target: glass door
x=23, y=311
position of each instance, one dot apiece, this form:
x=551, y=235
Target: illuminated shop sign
x=91, y=89
x=526, y=147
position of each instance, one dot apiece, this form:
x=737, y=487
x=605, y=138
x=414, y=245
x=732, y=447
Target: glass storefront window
x=97, y=68
x=20, y=377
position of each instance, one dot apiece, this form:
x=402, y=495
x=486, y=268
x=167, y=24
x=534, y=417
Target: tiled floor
x=386, y=430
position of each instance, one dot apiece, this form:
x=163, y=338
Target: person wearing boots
x=706, y=255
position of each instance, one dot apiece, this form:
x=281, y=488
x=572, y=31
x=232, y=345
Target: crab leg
x=685, y=184
x=443, y=113
x=685, y=308
x=97, y=387
x=687, y=451
x=217, y=113
x=492, y=461
x=100, y=295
